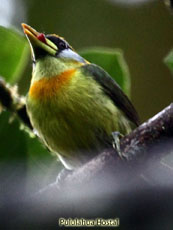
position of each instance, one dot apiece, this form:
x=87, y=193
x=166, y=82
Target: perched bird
x=74, y=105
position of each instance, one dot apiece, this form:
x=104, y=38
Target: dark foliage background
x=144, y=31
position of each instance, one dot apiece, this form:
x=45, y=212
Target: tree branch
x=12, y=101
x=151, y=140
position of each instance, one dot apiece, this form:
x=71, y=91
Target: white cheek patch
x=70, y=54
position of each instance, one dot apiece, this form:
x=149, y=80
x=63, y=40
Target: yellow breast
x=45, y=88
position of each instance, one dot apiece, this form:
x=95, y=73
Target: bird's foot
x=116, y=142
x=62, y=175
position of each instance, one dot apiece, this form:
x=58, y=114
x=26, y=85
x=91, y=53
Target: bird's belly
x=76, y=125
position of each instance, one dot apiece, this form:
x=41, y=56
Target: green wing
x=112, y=89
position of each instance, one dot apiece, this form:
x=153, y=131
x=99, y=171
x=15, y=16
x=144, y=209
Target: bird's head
x=51, y=51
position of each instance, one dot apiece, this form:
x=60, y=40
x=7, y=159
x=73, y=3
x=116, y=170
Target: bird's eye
x=62, y=45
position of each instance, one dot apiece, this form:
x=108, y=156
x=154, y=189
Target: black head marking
x=60, y=43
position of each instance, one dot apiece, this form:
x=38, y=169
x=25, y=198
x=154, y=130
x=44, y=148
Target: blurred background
x=142, y=29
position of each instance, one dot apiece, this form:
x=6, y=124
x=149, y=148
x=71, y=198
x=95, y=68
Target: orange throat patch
x=45, y=88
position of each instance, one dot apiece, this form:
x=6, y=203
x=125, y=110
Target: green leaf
x=43, y=168
x=12, y=150
x=112, y=60
x=169, y=60
x=38, y=155
x=12, y=144
x=14, y=54
x=21, y=154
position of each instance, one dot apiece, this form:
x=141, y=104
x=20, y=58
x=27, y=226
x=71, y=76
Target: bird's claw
x=62, y=175
x=116, y=142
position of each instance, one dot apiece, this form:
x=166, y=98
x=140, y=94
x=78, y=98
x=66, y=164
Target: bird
x=73, y=105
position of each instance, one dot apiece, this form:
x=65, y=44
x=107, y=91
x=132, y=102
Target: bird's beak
x=38, y=40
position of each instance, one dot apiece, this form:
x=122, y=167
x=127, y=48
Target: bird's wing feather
x=112, y=90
